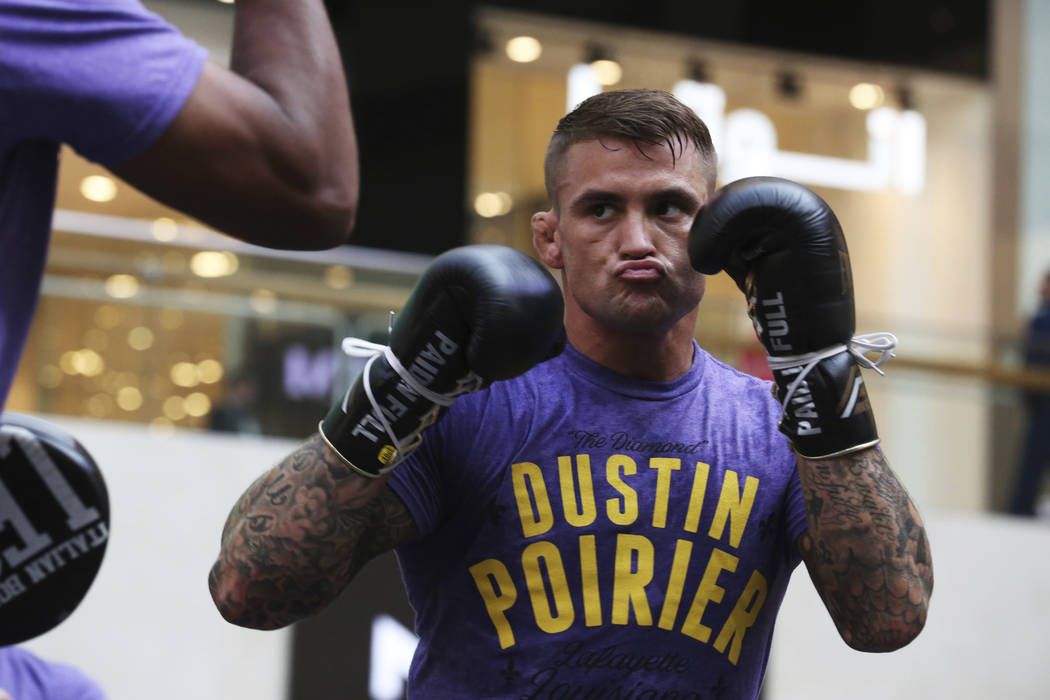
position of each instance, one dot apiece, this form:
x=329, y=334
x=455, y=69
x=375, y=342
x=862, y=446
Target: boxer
x=620, y=520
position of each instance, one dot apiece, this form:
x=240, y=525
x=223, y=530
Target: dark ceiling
x=932, y=34
x=408, y=71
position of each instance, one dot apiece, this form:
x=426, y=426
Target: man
x=1035, y=449
x=619, y=521
x=264, y=150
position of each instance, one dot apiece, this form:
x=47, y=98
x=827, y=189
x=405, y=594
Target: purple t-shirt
x=24, y=676
x=585, y=534
x=104, y=76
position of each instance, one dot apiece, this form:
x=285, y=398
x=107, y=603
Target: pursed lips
x=640, y=270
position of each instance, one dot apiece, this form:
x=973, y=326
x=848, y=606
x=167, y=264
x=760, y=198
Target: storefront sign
x=746, y=142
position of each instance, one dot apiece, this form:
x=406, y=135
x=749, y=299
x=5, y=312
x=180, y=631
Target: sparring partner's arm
x=264, y=151
x=301, y=532
x=866, y=548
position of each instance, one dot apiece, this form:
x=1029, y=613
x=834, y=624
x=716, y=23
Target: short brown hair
x=644, y=117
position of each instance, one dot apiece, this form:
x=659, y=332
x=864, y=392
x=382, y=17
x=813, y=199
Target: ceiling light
x=492, y=204
x=607, y=72
x=338, y=276
x=164, y=229
x=140, y=338
x=209, y=371
x=524, y=49
x=214, y=263
x=122, y=286
x=866, y=96
x=129, y=398
x=98, y=188
x=197, y=404
x=263, y=301
x=173, y=408
x=184, y=374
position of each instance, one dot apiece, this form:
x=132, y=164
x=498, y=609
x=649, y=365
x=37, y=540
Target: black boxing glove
x=784, y=248
x=54, y=526
x=478, y=314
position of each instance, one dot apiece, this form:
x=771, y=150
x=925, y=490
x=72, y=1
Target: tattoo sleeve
x=866, y=549
x=299, y=534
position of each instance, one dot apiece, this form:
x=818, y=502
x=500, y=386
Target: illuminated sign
x=393, y=645
x=746, y=142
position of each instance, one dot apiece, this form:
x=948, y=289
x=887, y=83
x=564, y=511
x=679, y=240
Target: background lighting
x=606, y=71
x=173, y=408
x=214, y=263
x=129, y=398
x=197, y=404
x=263, y=301
x=492, y=204
x=338, y=276
x=98, y=188
x=140, y=338
x=184, y=374
x=209, y=371
x=524, y=49
x=164, y=229
x=866, y=96
x=122, y=286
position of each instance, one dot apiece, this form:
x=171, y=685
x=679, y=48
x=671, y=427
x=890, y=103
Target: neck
x=656, y=357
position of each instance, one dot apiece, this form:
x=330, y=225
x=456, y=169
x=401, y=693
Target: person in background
x=1035, y=450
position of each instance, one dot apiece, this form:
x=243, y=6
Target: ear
x=546, y=239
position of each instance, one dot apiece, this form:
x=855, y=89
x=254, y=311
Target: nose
x=636, y=236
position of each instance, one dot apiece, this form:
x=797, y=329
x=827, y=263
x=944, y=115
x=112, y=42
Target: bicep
x=389, y=526
x=232, y=159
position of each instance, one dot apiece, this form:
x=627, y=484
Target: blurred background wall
x=188, y=362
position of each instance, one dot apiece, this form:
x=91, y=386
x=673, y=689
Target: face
x=619, y=235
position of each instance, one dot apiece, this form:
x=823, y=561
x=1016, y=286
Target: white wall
x=148, y=628
x=986, y=638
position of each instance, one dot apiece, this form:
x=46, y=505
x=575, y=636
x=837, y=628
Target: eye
x=668, y=208
x=602, y=211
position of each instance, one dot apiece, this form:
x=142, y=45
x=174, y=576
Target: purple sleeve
x=105, y=76
x=418, y=481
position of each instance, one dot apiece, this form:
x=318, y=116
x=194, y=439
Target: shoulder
x=731, y=381
x=530, y=384
x=123, y=79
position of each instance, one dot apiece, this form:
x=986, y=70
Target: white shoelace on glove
x=882, y=343
x=357, y=347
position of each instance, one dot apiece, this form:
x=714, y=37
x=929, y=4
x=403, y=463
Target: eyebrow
x=679, y=194
x=588, y=197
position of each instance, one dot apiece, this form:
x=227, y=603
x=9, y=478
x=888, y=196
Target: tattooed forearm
x=298, y=535
x=866, y=549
